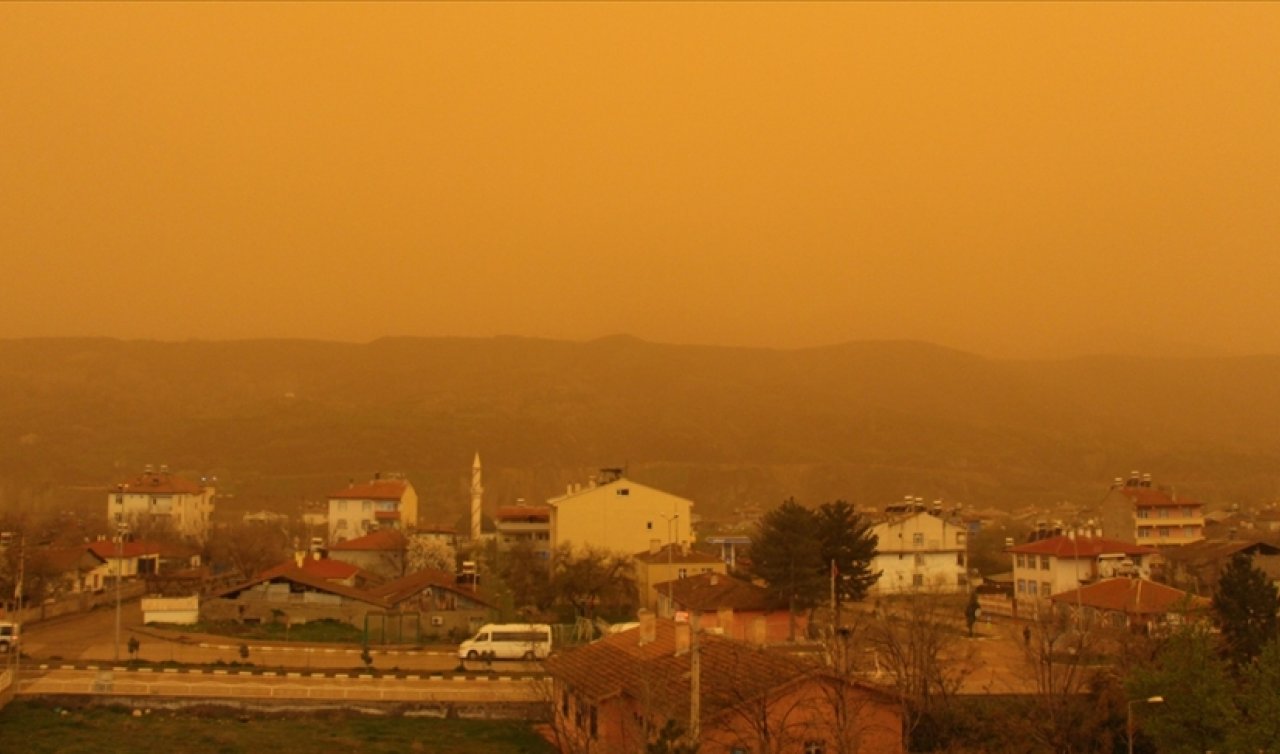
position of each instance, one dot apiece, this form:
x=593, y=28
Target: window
x=649, y=525
x=815, y=747
x=917, y=539
x=622, y=492
x=1164, y=513
x=1143, y=513
x=1022, y=586
x=917, y=579
x=1044, y=562
x=960, y=539
x=1045, y=588
x=366, y=505
x=1031, y=588
x=961, y=579
x=1164, y=532
x=919, y=560
x=960, y=559
x=682, y=573
x=1022, y=560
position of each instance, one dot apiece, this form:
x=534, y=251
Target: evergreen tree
x=1246, y=603
x=848, y=542
x=786, y=553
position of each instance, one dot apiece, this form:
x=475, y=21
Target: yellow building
x=618, y=514
x=666, y=563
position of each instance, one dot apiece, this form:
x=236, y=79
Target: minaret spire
x=477, y=491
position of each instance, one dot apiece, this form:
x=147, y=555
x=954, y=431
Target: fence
x=76, y=603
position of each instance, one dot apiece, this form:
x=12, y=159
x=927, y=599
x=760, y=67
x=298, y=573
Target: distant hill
x=283, y=421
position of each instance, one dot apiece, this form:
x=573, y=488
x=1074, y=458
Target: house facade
x=1131, y=603
x=730, y=607
x=1057, y=564
x=1137, y=510
x=385, y=502
x=667, y=564
x=616, y=694
x=524, y=524
x=920, y=551
x=161, y=499
x=615, y=513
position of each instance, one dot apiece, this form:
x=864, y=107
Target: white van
x=508, y=641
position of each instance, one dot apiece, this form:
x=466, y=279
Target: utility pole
x=695, y=680
x=120, y=530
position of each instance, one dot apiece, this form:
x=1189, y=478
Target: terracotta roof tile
x=711, y=591
x=677, y=554
x=1133, y=596
x=106, y=549
x=158, y=483
x=406, y=586
x=321, y=568
x=382, y=540
x=379, y=489
x=1080, y=547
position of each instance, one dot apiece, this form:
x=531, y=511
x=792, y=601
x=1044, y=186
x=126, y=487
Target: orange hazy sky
x=1006, y=178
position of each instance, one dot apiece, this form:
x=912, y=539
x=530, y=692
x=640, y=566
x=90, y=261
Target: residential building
x=920, y=550
x=666, y=563
x=444, y=606
x=382, y=551
x=124, y=560
x=1198, y=566
x=516, y=524
x=328, y=569
x=160, y=499
x=1139, y=511
x=384, y=502
x=1133, y=603
x=1049, y=566
x=617, y=693
x=730, y=607
x=615, y=513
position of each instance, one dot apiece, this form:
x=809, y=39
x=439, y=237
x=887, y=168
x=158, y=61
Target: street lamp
x=1128, y=723
x=121, y=528
x=670, y=546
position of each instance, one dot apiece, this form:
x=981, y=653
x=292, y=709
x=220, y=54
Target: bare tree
x=249, y=549
x=591, y=578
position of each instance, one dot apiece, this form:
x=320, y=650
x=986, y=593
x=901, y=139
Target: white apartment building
x=1057, y=564
x=384, y=502
x=161, y=499
x=920, y=552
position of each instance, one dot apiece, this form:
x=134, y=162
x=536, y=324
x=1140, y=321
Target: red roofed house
x=153, y=498
x=1131, y=603
x=295, y=593
x=443, y=605
x=1049, y=566
x=382, y=551
x=388, y=502
x=525, y=523
x=616, y=694
x=731, y=607
x=664, y=563
x=1135, y=510
x=128, y=560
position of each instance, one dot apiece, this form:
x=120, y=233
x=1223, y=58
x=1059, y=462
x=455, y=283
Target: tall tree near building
x=786, y=553
x=1246, y=603
x=849, y=544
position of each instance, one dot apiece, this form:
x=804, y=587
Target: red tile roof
x=712, y=591
x=1132, y=596
x=732, y=672
x=379, y=489
x=106, y=549
x=159, y=483
x=523, y=512
x=290, y=572
x=1081, y=547
x=677, y=554
x=381, y=540
x=406, y=586
x=1148, y=496
x=321, y=568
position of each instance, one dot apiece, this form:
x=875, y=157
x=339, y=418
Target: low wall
x=531, y=711
x=81, y=602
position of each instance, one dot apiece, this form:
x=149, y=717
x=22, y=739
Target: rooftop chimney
x=683, y=633
x=648, y=626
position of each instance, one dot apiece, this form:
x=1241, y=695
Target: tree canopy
x=848, y=542
x=1246, y=603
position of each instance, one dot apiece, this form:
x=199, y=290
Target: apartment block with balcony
x=920, y=551
x=1053, y=565
x=160, y=499
x=1139, y=511
x=518, y=524
x=385, y=502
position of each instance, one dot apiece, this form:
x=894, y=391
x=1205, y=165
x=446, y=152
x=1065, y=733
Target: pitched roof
x=397, y=591
x=380, y=540
x=1132, y=596
x=290, y=572
x=107, y=550
x=63, y=559
x=732, y=672
x=321, y=568
x=1209, y=550
x=523, y=512
x=621, y=486
x=378, y=489
x=1150, y=496
x=676, y=554
x=1080, y=547
x=158, y=483
x=712, y=591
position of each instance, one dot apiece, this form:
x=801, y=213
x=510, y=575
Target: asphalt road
x=91, y=637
